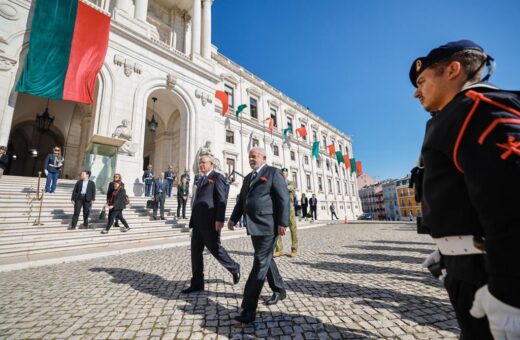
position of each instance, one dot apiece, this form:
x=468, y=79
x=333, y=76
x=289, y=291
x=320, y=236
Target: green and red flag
x=316, y=149
x=332, y=149
x=352, y=165
x=240, y=108
x=286, y=132
x=346, y=160
x=302, y=131
x=339, y=157
x=270, y=125
x=224, y=99
x=67, y=48
x=359, y=168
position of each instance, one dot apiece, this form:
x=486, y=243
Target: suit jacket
x=264, y=202
x=90, y=195
x=209, y=204
x=159, y=187
x=183, y=193
x=305, y=201
x=4, y=161
x=119, y=200
x=313, y=202
x=50, y=163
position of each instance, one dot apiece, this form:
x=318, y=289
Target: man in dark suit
x=183, y=191
x=264, y=203
x=159, y=195
x=83, y=195
x=207, y=219
x=313, y=203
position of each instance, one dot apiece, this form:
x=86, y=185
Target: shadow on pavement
x=388, y=248
x=218, y=318
x=378, y=257
x=423, y=310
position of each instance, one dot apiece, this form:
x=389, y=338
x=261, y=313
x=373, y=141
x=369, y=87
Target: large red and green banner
x=67, y=47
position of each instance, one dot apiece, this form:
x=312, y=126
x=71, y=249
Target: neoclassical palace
x=161, y=67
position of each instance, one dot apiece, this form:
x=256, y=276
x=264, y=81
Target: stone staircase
x=21, y=240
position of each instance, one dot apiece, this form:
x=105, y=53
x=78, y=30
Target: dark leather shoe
x=245, y=317
x=162, y=218
x=276, y=298
x=236, y=276
x=192, y=289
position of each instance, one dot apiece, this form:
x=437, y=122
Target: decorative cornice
x=254, y=91
x=8, y=11
x=273, y=103
x=204, y=97
x=128, y=66
x=6, y=63
x=230, y=78
x=171, y=81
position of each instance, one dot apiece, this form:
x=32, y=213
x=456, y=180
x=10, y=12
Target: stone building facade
x=161, y=66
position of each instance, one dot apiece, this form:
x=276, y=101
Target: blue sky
x=348, y=61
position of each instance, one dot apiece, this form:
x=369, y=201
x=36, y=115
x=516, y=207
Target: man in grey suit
x=264, y=204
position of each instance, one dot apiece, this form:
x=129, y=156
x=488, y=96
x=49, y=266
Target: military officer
x=148, y=181
x=292, y=220
x=470, y=186
x=170, y=178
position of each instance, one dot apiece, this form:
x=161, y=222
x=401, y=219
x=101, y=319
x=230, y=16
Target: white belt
x=457, y=245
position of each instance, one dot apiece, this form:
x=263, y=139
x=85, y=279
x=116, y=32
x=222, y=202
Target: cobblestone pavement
x=349, y=282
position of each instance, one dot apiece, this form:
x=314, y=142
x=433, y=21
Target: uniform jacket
x=90, y=194
x=209, y=204
x=169, y=175
x=119, y=200
x=183, y=193
x=160, y=187
x=51, y=161
x=263, y=202
x=483, y=196
x=147, y=176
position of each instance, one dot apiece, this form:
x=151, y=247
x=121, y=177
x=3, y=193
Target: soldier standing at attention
x=148, y=181
x=471, y=186
x=170, y=177
x=292, y=220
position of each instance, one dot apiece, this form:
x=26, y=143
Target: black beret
x=439, y=54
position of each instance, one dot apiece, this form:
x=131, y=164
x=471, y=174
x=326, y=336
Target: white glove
x=434, y=258
x=46, y=172
x=504, y=320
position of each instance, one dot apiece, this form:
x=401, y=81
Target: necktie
x=253, y=176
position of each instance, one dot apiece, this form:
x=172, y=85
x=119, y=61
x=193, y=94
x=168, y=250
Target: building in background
x=391, y=204
x=408, y=208
x=162, y=68
x=372, y=200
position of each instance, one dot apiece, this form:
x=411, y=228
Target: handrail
x=39, y=196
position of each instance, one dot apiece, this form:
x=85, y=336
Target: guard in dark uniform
x=170, y=177
x=148, y=181
x=471, y=186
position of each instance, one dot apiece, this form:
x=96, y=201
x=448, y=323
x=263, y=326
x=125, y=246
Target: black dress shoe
x=245, y=317
x=236, y=276
x=277, y=296
x=162, y=218
x=192, y=289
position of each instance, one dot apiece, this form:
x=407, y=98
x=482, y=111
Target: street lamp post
x=152, y=124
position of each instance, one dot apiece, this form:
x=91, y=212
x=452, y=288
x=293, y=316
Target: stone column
x=206, y=28
x=125, y=6
x=196, y=23
x=141, y=9
x=187, y=34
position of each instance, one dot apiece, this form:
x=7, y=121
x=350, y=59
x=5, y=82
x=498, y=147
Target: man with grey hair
x=264, y=204
x=207, y=220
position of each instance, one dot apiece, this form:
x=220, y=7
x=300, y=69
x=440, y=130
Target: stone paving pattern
x=350, y=282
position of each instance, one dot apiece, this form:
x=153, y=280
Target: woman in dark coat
x=117, y=178
x=116, y=204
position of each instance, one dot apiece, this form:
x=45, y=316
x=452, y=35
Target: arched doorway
x=166, y=145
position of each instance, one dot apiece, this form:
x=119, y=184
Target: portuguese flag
x=67, y=48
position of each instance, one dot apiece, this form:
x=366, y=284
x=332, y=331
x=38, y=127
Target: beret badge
x=418, y=65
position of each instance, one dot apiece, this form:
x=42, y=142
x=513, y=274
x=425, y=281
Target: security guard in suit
x=471, y=186
x=159, y=195
x=148, y=181
x=291, y=186
x=170, y=177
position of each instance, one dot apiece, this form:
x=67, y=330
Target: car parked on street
x=366, y=216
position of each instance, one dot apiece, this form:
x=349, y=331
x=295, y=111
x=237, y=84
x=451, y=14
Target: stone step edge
x=33, y=261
